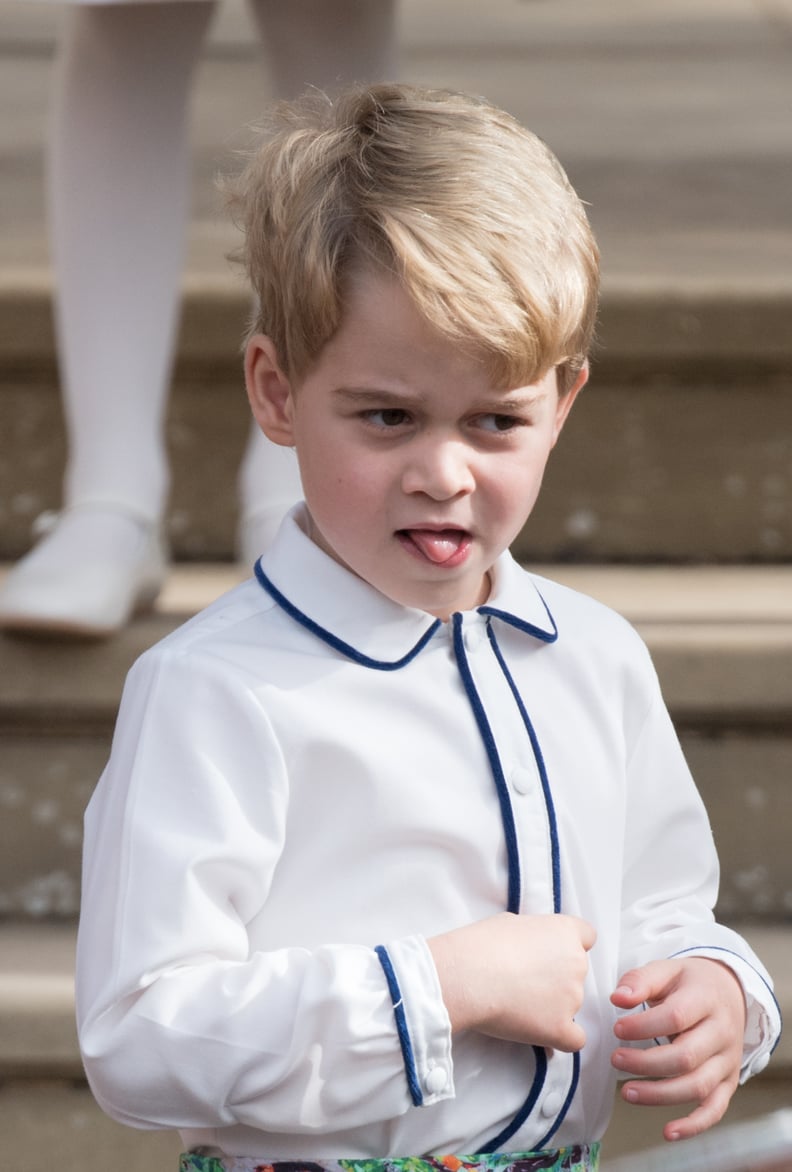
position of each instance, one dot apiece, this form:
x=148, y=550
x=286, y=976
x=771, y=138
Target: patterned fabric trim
x=580, y=1158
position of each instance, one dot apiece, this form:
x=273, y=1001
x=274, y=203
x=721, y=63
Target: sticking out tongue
x=438, y=545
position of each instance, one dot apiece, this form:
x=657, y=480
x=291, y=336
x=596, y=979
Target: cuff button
x=435, y=1080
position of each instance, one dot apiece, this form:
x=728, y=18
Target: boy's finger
x=670, y=1060
x=702, y=1117
x=659, y=1021
x=701, y=1086
x=647, y=984
x=588, y=935
x=654, y=1063
x=570, y=1039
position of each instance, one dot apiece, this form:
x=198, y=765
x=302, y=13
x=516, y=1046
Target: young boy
x=395, y=836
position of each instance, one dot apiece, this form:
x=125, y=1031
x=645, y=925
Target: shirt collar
x=347, y=613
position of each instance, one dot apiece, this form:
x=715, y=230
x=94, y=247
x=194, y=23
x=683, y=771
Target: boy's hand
x=699, y=1004
x=516, y=977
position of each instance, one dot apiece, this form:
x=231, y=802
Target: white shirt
x=308, y=771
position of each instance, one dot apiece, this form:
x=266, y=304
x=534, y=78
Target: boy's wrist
x=454, y=988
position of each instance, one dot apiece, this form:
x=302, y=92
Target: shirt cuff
x=421, y=1017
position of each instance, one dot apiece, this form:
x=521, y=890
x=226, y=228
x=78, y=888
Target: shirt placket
x=522, y=769
x=521, y=766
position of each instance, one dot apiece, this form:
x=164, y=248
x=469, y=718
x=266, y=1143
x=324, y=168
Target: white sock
x=118, y=211
x=326, y=43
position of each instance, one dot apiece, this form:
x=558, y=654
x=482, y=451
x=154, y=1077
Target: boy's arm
x=181, y=1024
x=700, y=982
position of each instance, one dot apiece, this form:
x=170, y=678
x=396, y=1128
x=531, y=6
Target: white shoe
x=98, y=564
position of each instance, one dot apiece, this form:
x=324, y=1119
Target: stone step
x=672, y=121
x=671, y=118
x=679, y=450
x=46, y=1107
x=721, y=638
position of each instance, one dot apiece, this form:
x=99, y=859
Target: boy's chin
x=441, y=604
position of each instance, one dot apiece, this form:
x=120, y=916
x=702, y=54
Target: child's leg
x=323, y=43
x=326, y=43
x=118, y=209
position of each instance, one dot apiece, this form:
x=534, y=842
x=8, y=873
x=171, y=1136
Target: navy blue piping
x=336, y=643
x=513, y=856
x=401, y=1026
x=731, y=952
x=544, y=1141
x=541, y=1059
x=529, y=628
x=555, y=852
x=528, y=1105
x=507, y=814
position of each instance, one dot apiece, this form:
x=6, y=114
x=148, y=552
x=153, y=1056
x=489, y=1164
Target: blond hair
x=470, y=211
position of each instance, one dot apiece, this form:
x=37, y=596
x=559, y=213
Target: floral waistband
x=580, y=1158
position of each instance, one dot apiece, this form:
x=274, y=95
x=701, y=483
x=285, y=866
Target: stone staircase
x=669, y=496
x=720, y=633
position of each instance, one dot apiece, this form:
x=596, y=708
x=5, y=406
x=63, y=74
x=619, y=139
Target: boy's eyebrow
x=521, y=397
x=371, y=394
x=502, y=401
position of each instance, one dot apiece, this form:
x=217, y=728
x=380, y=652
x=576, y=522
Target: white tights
x=119, y=204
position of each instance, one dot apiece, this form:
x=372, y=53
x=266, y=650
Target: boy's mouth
x=442, y=547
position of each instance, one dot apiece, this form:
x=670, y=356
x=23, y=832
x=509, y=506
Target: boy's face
x=417, y=473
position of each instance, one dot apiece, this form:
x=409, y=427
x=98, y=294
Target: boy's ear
x=269, y=391
x=566, y=400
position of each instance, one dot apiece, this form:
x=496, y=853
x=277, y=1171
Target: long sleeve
x=671, y=878
x=181, y=1023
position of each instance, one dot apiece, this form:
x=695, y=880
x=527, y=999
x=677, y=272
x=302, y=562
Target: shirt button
x=551, y=1104
x=435, y=1080
x=474, y=637
x=522, y=779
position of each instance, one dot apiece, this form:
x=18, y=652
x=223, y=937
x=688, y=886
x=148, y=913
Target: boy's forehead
x=383, y=326
x=381, y=319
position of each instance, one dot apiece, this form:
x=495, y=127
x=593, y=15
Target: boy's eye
x=498, y=422
x=388, y=417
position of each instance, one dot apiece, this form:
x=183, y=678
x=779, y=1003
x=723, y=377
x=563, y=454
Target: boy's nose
x=439, y=469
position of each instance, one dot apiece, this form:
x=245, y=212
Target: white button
x=552, y=1104
x=435, y=1081
x=474, y=637
x=522, y=779
x=759, y=1063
